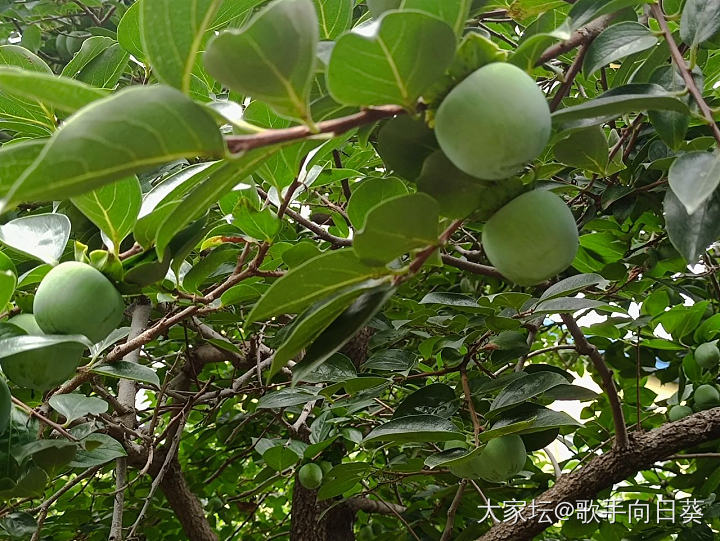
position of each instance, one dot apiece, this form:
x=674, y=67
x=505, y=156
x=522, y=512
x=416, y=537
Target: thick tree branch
x=679, y=61
x=475, y=268
x=604, y=471
x=586, y=348
x=358, y=503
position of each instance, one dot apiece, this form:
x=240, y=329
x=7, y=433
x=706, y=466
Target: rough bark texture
x=306, y=525
x=185, y=504
x=614, y=466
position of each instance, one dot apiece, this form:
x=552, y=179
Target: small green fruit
x=75, y=298
x=493, y=122
x=310, y=476
x=706, y=397
x=502, y=458
x=707, y=355
x=678, y=412
x=532, y=238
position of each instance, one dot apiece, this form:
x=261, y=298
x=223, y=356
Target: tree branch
x=586, y=348
x=679, y=61
x=358, y=503
x=580, y=37
x=450, y=523
x=475, y=268
x=605, y=470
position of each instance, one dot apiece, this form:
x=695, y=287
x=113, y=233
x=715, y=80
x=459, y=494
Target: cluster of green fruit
x=706, y=396
x=73, y=300
x=489, y=126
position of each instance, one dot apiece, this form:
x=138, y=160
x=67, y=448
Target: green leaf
x=172, y=33
x=526, y=419
x=584, y=11
x=454, y=12
x=403, y=143
x=286, y=398
x=572, y=304
x=617, y=42
x=525, y=388
x=128, y=370
x=100, y=62
x=618, y=101
x=128, y=31
x=18, y=344
x=57, y=92
x=369, y=193
x=8, y=281
x=342, y=478
x=73, y=406
x=272, y=58
x=317, y=278
x=700, y=21
x=334, y=17
x=435, y=399
x=120, y=137
x=261, y=225
x=670, y=125
x=113, y=208
x=337, y=368
x=393, y=60
x=339, y=333
x=573, y=285
x=415, y=428
x=309, y=325
x=691, y=234
x=694, y=177
x=391, y=360
x=24, y=116
x=570, y=392
x=449, y=299
x=15, y=158
x=280, y=458
x=585, y=149
x=397, y=226
x=40, y=236
x=104, y=449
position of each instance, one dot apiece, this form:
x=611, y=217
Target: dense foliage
x=332, y=328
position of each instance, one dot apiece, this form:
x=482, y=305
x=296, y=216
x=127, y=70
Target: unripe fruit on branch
x=707, y=355
x=502, y=458
x=494, y=122
x=678, y=412
x=310, y=476
x=706, y=397
x=75, y=298
x=532, y=238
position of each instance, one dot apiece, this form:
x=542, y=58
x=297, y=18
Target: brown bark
x=306, y=525
x=614, y=466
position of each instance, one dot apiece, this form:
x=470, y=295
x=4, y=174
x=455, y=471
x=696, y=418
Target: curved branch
x=605, y=470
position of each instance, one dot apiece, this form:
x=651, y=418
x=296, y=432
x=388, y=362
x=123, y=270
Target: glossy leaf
x=617, y=42
x=113, y=208
x=415, y=428
x=393, y=60
x=316, y=279
x=119, y=138
x=396, y=226
x=8, y=281
x=171, y=32
x=40, y=236
x=434, y=399
x=74, y=406
x=585, y=149
x=100, y=62
x=691, y=234
x=700, y=21
x=369, y=193
x=128, y=370
x=694, y=177
x=103, y=450
x=272, y=58
x=584, y=11
x=526, y=387
x=334, y=17
x=60, y=93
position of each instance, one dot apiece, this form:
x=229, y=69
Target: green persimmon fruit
x=494, y=122
x=5, y=406
x=501, y=458
x=532, y=238
x=27, y=323
x=707, y=355
x=678, y=412
x=75, y=298
x=706, y=397
x=310, y=476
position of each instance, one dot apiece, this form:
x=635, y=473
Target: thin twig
x=40, y=417
x=450, y=522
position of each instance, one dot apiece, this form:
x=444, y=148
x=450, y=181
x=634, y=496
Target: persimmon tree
x=363, y=254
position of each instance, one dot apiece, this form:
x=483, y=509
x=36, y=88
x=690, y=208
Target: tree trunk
x=306, y=525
